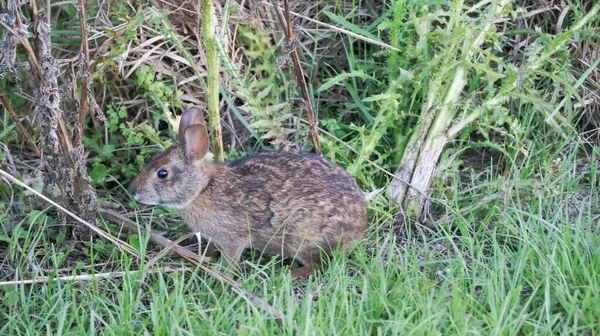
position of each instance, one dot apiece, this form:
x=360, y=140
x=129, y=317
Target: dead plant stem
x=287, y=28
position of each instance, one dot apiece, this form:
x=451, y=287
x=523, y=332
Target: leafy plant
x=263, y=89
x=163, y=94
x=115, y=159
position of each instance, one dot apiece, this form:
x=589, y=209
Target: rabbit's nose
x=132, y=188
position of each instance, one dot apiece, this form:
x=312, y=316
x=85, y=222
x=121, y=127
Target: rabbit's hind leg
x=311, y=262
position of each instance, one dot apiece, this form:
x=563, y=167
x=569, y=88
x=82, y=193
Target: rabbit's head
x=176, y=176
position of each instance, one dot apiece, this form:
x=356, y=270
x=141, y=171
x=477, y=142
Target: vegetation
x=472, y=127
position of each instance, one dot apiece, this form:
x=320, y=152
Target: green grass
x=532, y=268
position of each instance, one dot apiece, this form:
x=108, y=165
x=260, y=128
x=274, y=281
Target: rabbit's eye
x=162, y=174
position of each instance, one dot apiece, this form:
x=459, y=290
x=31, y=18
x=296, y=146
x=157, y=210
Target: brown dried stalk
x=156, y=239
x=286, y=23
x=66, y=161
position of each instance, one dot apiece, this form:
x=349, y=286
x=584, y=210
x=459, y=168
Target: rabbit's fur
x=297, y=205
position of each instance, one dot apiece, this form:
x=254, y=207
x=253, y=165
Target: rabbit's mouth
x=151, y=199
x=146, y=198
x=144, y=201
x=144, y=195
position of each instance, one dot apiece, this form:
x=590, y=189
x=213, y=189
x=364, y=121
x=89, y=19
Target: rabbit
x=294, y=204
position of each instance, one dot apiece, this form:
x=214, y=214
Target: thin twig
x=288, y=19
x=469, y=209
x=287, y=28
x=132, y=226
x=116, y=241
x=71, y=72
x=34, y=9
x=65, y=141
x=88, y=277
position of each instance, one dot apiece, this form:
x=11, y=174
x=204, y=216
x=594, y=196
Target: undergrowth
x=510, y=242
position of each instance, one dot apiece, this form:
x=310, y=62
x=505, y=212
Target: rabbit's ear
x=192, y=115
x=195, y=142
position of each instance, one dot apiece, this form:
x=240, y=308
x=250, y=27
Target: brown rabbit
x=293, y=204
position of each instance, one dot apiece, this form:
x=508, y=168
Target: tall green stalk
x=212, y=67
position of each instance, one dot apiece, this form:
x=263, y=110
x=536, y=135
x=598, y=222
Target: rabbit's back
x=283, y=202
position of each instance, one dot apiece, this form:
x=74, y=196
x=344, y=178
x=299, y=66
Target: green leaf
x=341, y=77
x=382, y=96
x=7, y=130
x=350, y=26
x=107, y=149
x=35, y=217
x=18, y=232
x=252, y=54
x=134, y=240
x=98, y=174
x=12, y=298
x=60, y=238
